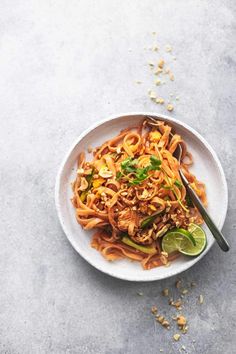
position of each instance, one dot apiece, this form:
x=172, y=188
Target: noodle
x=132, y=189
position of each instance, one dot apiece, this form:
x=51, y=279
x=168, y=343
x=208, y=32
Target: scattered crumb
x=161, y=350
x=170, y=107
x=201, y=299
x=138, y=82
x=184, y=291
x=183, y=347
x=154, y=310
x=181, y=320
x=194, y=341
x=176, y=336
x=177, y=99
x=163, y=321
x=160, y=100
x=176, y=304
x=158, y=71
x=178, y=284
x=80, y=171
x=155, y=48
x=165, y=292
x=158, y=82
x=139, y=293
x=151, y=64
x=193, y=284
x=184, y=329
x=90, y=149
x=165, y=254
x=168, y=48
x=166, y=324
x=152, y=94
x=160, y=318
x=167, y=71
x=161, y=63
x=171, y=76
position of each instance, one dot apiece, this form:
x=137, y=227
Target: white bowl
x=206, y=167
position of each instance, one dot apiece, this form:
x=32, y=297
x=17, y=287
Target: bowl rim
x=168, y=119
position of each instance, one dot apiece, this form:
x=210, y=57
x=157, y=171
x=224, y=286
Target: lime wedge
x=200, y=238
x=177, y=240
x=190, y=242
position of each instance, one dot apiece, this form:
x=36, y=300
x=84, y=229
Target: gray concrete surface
x=63, y=65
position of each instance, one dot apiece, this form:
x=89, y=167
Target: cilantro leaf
x=129, y=165
x=177, y=183
x=155, y=162
x=118, y=175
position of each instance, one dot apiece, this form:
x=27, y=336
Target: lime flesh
x=200, y=238
x=190, y=242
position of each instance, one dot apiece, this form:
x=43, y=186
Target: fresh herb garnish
x=155, y=162
x=119, y=175
x=129, y=165
x=177, y=183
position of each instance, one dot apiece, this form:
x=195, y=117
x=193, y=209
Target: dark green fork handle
x=220, y=239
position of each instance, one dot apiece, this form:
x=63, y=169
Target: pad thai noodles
x=131, y=193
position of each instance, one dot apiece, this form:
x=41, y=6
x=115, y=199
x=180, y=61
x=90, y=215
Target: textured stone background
x=63, y=65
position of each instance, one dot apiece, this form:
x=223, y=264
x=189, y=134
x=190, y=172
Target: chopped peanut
x=165, y=292
x=170, y=107
x=161, y=63
x=152, y=95
x=154, y=310
x=181, y=320
x=178, y=283
x=160, y=100
x=158, y=71
x=166, y=324
x=160, y=319
x=83, y=184
x=201, y=299
x=105, y=172
x=176, y=336
x=80, y=171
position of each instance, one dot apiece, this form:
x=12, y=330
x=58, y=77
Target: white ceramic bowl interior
x=206, y=167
